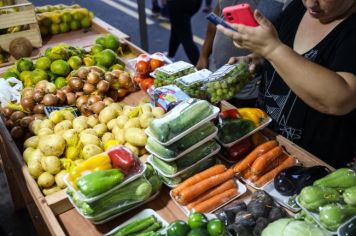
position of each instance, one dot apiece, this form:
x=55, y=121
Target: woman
x=310, y=85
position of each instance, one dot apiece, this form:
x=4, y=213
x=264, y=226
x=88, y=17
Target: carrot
x=214, y=202
x=214, y=170
x=250, y=158
x=246, y=174
x=288, y=162
x=263, y=161
x=273, y=165
x=217, y=190
x=254, y=178
x=190, y=193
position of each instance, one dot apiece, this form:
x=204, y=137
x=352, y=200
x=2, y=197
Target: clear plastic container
x=166, y=75
x=192, y=83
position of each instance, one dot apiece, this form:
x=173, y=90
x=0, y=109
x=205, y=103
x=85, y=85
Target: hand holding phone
x=218, y=21
x=240, y=14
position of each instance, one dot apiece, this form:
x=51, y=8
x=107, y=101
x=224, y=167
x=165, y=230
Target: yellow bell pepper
x=254, y=114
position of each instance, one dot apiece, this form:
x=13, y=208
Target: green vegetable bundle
x=141, y=227
x=166, y=75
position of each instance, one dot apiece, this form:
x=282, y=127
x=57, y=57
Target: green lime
x=44, y=30
x=100, y=40
x=9, y=74
x=215, y=227
x=24, y=64
x=85, y=22
x=89, y=61
x=60, y=82
x=96, y=48
x=198, y=232
x=46, y=22
x=117, y=67
x=77, y=16
x=14, y=69
x=74, y=25
x=25, y=75
x=60, y=67
x=55, y=18
x=106, y=57
x=66, y=17
x=197, y=220
x=111, y=42
x=64, y=27
x=38, y=75
x=43, y=63
x=75, y=62
x=55, y=29
x=177, y=228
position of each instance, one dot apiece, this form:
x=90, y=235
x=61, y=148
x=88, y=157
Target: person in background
x=309, y=83
x=207, y=7
x=160, y=11
x=217, y=48
x=180, y=14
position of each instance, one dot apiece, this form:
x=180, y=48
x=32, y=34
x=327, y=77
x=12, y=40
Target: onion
x=85, y=110
x=27, y=103
x=50, y=88
x=93, y=77
x=75, y=83
x=61, y=96
x=50, y=100
x=79, y=94
x=88, y=88
x=108, y=101
x=103, y=86
x=17, y=115
x=110, y=77
x=66, y=89
x=83, y=72
x=42, y=85
x=38, y=95
x=113, y=94
x=121, y=92
x=124, y=80
x=93, y=99
x=27, y=92
x=9, y=123
x=17, y=132
x=81, y=101
x=97, y=69
x=39, y=116
x=70, y=98
x=7, y=112
x=38, y=109
x=117, y=73
x=97, y=107
x=25, y=122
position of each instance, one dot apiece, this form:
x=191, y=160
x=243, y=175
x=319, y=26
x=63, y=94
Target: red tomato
x=155, y=63
x=142, y=67
x=146, y=84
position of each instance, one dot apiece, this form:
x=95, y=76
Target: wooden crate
x=25, y=16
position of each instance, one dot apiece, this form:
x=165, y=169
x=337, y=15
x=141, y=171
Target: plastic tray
x=141, y=215
x=208, y=138
x=241, y=188
x=127, y=180
x=282, y=200
x=149, y=160
x=267, y=121
x=345, y=225
x=184, y=133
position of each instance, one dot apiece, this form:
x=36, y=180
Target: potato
x=51, y=164
x=143, y=151
x=92, y=121
x=31, y=142
x=44, y=132
x=49, y=191
x=36, y=155
x=59, y=179
x=127, y=111
x=145, y=120
x=89, y=139
x=100, y=129
x=121, y=121
x=62, y=126
x=136, y=136
x=133, y=149
x=27, y=153
x=146, y=108
x=68, y=115
x=80, y=123
x=107, y=136
x=56, y=117
x=46, y=123
x=158, y=112
x=78, y=161
x=119, y=134
x=132, y=123
x=111, y=124
x=90, y=150
x=35, y=126
x=45, y=180
x=110, y=143
x=117, y=107
x=88, y=131
x=73, y=152
x=71, y=137
x=35, y=169
x=52, y=145
x=107, y=114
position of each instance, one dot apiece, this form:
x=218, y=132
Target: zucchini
x=171, y=181
x=199, y=168
x=160, y=150
x=167, y=168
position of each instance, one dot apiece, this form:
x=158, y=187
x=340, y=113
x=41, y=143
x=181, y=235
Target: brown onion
x=76, y=84
x=113, y=94
x=82, y=72
x=50, y=88
x=27, y=92
x=61, y=96
x=97, y=69
x=38, y=109
x=42, y=85
x=103, y=86
x=88, y=88
x=27, y=103
x=25, y=122
x=9, y=123
x=121, y=92
x=50, y=100
x=116, y=73
x=93, y=77
x=38, y=95
x=93, y=99
x=70, y=98
x=7, y=112
x=66, y=89
x=39, y=116
x=17, y=132
x=81, y=101
x=85, y=110
x=108, y=101
x=97, y=107
x=110, y=77
x=17, y=116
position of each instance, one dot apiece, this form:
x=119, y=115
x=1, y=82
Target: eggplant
x=291, y=180
x=261, y=223
x=276, y=213
x=239, y=230
x=245, y=218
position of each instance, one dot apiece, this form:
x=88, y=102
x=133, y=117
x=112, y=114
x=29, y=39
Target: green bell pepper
x=333, y=215
x=313, y=197
x=350, y=196
x=340, y=179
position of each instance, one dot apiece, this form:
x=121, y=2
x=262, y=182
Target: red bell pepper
x=231, y=113
x=239, y=150
x=123, y=159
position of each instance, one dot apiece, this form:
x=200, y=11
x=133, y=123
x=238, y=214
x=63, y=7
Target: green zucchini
x=167, y=168
x=160, y=150
x=171, y=181
x=199, y=168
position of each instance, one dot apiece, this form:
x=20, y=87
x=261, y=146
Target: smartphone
x=240, y=14
x=213, y=18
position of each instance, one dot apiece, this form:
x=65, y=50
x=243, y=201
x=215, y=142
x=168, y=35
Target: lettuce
x=291, y=227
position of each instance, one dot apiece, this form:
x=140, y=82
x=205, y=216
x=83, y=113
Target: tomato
x=138, y=79
x=197, y=220
x=215, y=227
x=142, y=67
x=178, y=228
x=146, y=84
x=155, y=63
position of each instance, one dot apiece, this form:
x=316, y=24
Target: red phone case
x=240, y=14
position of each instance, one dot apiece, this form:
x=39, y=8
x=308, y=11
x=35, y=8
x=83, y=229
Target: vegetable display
x=191, y=84
x=141, y=227
x=291, y=227
x=166, y=75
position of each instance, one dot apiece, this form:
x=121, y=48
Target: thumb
x=261, y=19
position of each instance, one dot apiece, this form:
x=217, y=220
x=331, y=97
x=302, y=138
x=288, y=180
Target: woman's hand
x=203, y=63
x=254, y=61
x=262, y=40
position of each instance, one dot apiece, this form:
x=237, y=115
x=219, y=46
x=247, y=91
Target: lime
x=198, y=232
x=96, y=48
x=111, y=42
x=85, y=22
x=77, y=16
x=44, y=30
x=74, y=25
x=43, y=63
x=106, y=57
x=177, y=228
x=75, y=62
x=215, y=227
x=46, y=22
x=66, y=17
x=60, y=67
x=55, y=29
x=24, y=64
x=117, y=67
x=197, y=220
x=38, y=75
x=100, y=40
x=64, y=27
x=9, y=74
x=14, y=69
x=25, y=75
x=88, y=61
x=60, y=82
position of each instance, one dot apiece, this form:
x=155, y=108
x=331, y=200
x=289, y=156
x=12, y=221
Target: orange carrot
x=250, y=158
x=190, y=193
x=214, y=170
x=217, y=190
x=263, y=161
x=254, y=178
x=246, y=174
x=214, y=202
x=290, y=161
x=273, y=165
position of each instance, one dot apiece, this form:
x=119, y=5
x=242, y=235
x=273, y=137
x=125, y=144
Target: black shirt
x=331, y=138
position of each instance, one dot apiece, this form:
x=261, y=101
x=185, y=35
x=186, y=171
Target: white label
x=175, y=67
x=195, y=77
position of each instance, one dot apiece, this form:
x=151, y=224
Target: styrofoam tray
x=149, y=160
x=141, y=215
x=127, y=180
x=345, y=225
x=184, y=133
x=241, y=189
x=283, y=200
x=267, y=121
x=113, y=216
x=208, y=138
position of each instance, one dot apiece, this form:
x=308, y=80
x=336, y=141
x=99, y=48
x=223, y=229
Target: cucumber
x=160, y=150
x=199, y=168
x=171, y=181
x=167, y=168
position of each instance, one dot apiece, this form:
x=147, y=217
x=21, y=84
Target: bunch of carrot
x=264, y=163
x=207, y=190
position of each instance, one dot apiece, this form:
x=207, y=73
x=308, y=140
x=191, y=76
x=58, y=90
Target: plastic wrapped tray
x=191, y=84
x=345, y=225
x=167, y=74
x=241, y=188
x=141, y=215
